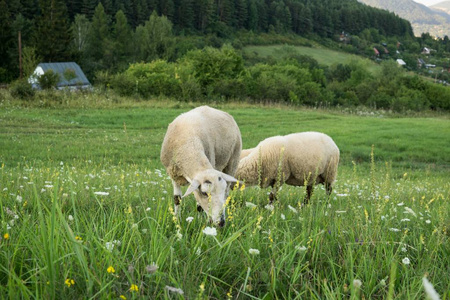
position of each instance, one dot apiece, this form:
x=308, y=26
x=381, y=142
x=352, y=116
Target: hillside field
x=87, y=210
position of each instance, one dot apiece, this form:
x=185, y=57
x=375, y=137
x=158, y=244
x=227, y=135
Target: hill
x=422, y=18
x=443, y=6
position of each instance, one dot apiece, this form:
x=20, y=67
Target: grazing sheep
x=298, y=159
x=202, y=148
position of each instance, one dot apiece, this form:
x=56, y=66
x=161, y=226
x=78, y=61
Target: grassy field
x=324, y=56
x=86, y=210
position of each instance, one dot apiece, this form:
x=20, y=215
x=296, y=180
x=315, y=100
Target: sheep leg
x=176, y=196
x=328, y=188
x=309, y=190
x=272, y=196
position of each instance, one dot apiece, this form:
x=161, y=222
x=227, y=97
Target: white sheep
x=202, y=148
x=297, y=159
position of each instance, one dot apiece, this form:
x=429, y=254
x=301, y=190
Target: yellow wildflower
x=69, y=282
x=111, y=269
x=134, y=288
x=6, y=236
x=123, y=297
x=78, y=238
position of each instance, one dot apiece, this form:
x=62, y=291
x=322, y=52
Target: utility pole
x=20, y=56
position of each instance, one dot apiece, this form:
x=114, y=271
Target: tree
x=53, y=35
x=155, y=39
x=98, y=38
x=122, y=40
x=80, y=30
x=6, y=41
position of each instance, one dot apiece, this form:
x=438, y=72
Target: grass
x=86, y=211
x=324, y=56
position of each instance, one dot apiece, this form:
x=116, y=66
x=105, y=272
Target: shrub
x=48, y=80
x=22, y=89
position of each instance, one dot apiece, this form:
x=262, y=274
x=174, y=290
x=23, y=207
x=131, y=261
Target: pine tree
x=98, y=37
x=6, y=41
x=241, y=13
x=53, y=34
x=122, y=41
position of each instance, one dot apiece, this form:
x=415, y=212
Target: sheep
x=297, y=159
x=202, y=148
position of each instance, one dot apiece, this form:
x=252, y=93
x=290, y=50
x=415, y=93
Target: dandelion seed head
x=357, y=283
x=406, y=261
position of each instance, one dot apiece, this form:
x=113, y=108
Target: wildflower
x=410, y=211
x=300, y=248
x=250, y=205
x=210, y=231
x=123, y=297
x=19, y=198
x=101, y=193
x=202, y=288
x=242, y=187
x=342, y=195
x=357, y=283
x=78, y=238
x=428, y=221
x=151, y=268
x=394, y=229
x=383, y=282
x=111, y=269
x=70, y=217
x=6, y=236
x=189, y=219
x=340, y=211
x=109, y=246
x=405, y=220
x=147, y=209
x=253, y=251
x=269, y=207
x=174, y=290
x=134, y=288
x=429, y=289
x=69, y=282
x=179, y=235
x=283, y=217
x=404, y=249
x=401, y=204
x=406, y=261
x=293, y=209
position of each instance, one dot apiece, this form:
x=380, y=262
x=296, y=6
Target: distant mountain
x=444, y=6
x=422, y=18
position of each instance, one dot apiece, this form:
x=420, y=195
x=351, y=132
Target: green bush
x=22, y=89
x=48, y=80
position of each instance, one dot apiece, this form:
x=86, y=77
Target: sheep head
x=210, y=189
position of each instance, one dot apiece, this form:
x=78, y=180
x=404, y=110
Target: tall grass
x=73, y=222
x=86, y=211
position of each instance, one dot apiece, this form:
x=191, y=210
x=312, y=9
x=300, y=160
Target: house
x=426, y=51
x=70, y=75
x=401, y=62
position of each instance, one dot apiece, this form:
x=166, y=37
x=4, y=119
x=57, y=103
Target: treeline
x=213, y=74
x=106, y=34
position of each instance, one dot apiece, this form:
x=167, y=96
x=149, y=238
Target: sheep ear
x=192, y=187
x=229, y=179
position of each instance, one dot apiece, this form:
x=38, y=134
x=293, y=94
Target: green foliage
x=30, y=60
x=48, y=80
x=22, y=89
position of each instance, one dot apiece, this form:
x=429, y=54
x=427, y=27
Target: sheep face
x=210, y=189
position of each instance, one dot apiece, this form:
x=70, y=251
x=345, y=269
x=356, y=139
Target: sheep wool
x=298, y=159
x=202, y=148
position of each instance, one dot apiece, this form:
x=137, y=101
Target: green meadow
x=87, y=210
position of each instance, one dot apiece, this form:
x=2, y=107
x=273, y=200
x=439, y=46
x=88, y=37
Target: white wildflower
x=148, y=209
x=269, y=207
x=144, y=231
x=410, y=211
x=401, y=204
x=394, y=229
x=283, y=217
x=49, y=186
x=342, y=195
x=189, y=219
x=179, y=235
x=404, y=249
x=357, y=283
x=174, y=290
x=250, y=205
x=210, y=231
x=405, y=220
x=428, y=221
x=70, y=217
x=109, y=246
x=253, y=251
x=341, y=211
x=429, y=290
x=134, y=226
x=300, y=248
x=19, y=199
x=293, y=209
x=101, y=193
x=406, y=261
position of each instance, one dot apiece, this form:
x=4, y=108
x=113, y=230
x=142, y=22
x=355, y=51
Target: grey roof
x=60, y=67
